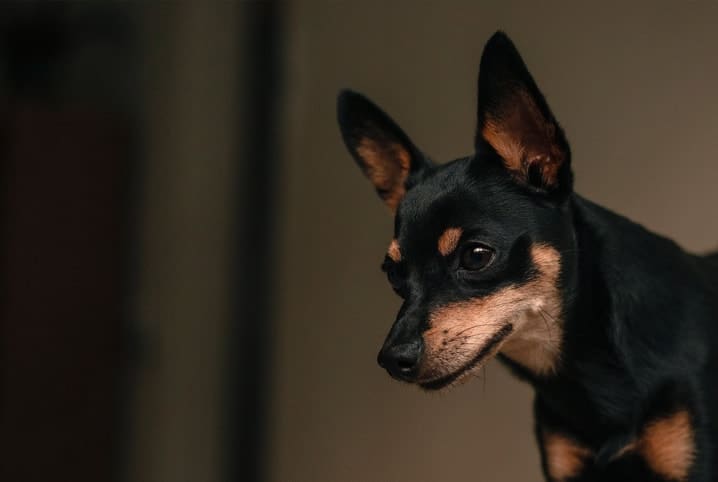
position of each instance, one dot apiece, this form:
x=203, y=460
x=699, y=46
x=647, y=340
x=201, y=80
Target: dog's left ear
x=385, y=154
x=514, y=119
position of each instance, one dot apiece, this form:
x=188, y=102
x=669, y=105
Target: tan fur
x=449, y=240
x=387, y=167
x=667, y=445
x=522, y=137
x=458, y=331
x=537, y=344
x=394, y=252
x=565, y=458
x=627, y=449
x=505, y=144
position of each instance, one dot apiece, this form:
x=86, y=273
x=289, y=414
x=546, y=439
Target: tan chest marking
x=565, y=458
x=667, y=445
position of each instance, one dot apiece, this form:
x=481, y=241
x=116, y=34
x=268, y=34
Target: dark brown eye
x=476, y=257
x=396, y=276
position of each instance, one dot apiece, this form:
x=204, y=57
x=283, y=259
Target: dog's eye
x=476, y=256
x=396, y=276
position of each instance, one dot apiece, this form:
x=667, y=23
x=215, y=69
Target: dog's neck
x=609, y=311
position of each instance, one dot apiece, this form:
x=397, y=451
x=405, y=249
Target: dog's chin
x=488, y=350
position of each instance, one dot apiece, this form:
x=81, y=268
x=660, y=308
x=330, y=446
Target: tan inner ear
x=386, y=164
x=524, y=138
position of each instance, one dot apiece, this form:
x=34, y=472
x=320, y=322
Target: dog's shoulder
x=709, y=265
x=638, y=263
x=656, y=292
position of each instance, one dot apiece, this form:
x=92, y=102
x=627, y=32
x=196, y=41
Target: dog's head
x=477, y=248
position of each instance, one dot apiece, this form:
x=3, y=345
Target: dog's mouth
x=489, y=348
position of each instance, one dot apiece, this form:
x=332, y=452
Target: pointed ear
x=514, y=119
x=381, y=149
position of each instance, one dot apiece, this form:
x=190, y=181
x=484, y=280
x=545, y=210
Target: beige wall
x=635, y=90
x=182, y=305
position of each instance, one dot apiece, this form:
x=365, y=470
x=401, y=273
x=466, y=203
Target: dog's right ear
x=515, y=120
x=384, y=153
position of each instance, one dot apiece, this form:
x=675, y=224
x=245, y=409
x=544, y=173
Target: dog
x=495, y=255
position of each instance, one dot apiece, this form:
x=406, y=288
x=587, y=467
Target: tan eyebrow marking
x=394, y=252
x=449, y=240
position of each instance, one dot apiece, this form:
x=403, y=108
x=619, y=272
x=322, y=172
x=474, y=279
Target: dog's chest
x=663, y=450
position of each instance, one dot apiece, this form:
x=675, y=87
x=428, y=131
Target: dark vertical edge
x=132, y=183
x=5, y=110
x=251, y=329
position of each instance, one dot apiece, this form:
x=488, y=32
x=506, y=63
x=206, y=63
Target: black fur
x=640, y=315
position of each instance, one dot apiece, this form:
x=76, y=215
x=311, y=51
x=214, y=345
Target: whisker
x=545, y=321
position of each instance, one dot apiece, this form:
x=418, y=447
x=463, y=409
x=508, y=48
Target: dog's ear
x=381, y=149
x=514, y=119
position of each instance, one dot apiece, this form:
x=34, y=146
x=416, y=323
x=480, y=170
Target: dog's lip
x=445, y=380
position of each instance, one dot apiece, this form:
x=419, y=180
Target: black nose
x=402, y=361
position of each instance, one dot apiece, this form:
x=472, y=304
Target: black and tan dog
x=495, y=255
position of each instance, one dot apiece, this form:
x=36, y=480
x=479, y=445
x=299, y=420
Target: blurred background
x=190, y=258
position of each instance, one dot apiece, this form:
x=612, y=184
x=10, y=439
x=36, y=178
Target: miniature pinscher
x=495, y=255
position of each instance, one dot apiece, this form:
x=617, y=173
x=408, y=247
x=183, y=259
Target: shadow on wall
x=126, y=314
